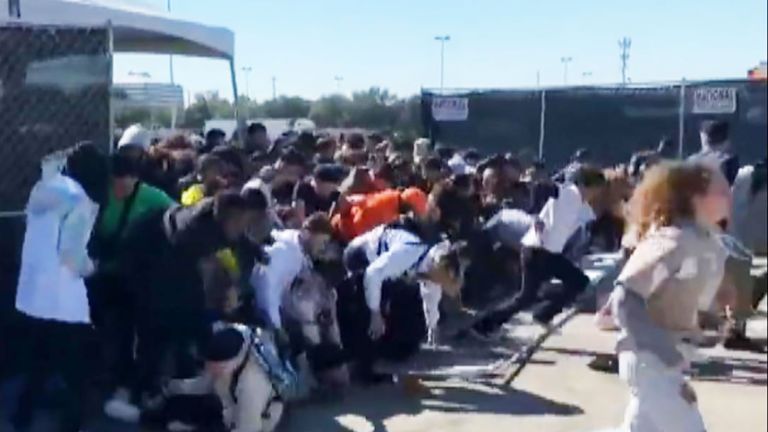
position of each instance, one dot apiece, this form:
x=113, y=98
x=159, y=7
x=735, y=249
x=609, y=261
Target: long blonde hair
x=665, y=195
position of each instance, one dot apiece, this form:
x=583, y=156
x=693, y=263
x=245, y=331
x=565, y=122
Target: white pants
x=656, y=403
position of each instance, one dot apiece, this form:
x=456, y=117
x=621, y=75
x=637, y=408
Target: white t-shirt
x=561, y=217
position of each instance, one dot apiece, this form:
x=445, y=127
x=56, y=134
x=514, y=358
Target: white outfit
x=54, y=259
x=272, y=281
x=656, y=403
x=393, y=253
x=561, y=217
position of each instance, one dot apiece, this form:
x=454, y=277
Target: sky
x=305, y=44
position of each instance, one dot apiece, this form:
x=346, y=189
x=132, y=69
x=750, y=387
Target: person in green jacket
x=112, y=301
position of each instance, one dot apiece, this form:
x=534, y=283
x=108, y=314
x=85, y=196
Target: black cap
x=224, y=345
x=330, y=173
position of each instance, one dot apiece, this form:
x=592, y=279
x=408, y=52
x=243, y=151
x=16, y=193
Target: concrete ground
x=556, y=393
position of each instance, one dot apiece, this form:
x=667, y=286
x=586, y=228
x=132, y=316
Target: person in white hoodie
x=51, y=294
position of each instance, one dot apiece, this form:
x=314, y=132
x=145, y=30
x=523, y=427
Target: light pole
x=442, y=40
x=586, y=75
x=274, y=88
x=565, y=61
x=338, y=79
x=247, y=71
x=170, y=58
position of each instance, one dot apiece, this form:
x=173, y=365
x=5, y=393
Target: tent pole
x=681, y=122
x=110, y=86
x=236, y=106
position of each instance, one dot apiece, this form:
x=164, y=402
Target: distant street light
x=586, y=75
x=247, y=71
x=442, y=40
x=338, y=79
x=565, y=61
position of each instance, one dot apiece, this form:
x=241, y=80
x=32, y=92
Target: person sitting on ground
x=542, y=255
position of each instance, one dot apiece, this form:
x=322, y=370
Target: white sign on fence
x=450, y=108
x=714, y=100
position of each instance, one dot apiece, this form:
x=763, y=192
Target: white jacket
x=54, y=259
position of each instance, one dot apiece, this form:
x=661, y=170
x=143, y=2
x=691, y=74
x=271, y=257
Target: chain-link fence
x=613, y=122
x=54, y=92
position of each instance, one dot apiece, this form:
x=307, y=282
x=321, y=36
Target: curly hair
x=665, y=195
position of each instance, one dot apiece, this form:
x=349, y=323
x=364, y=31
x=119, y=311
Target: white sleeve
x=389, y=265
x=74, y=234
x=270, y=281
x=431, y=294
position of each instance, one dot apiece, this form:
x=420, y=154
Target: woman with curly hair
x=673, y=273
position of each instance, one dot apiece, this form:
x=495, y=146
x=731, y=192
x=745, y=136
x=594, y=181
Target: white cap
x=136, y=135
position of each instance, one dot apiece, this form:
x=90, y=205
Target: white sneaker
x=122, y=410
x=177, y=426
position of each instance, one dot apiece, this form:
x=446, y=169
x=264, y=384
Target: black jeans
x=401, y=306
x=54, y=348
x=113, y=312
x=539, y=266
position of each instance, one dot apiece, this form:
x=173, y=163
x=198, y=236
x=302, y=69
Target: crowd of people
x=202, y=284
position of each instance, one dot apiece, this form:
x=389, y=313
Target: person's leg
x=35, y=372
x=406, y=324
x=657, y=403
x=73, y=363
x=574, y=283
x=534, y=273
x=354, y=319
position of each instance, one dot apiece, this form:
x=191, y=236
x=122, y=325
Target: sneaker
x=122, y=410
x=739, y=342
x=178, y=426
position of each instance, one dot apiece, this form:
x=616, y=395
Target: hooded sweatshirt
x=60, y=217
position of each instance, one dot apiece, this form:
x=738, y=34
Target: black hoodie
x=163, y=255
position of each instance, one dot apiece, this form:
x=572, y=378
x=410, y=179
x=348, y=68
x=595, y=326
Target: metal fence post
x=542, y=123
x=681, y=123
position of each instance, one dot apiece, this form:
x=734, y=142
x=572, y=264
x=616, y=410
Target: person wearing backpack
x=397, y=275
x=111, y=298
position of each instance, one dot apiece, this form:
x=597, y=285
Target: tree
x=331, y=111
x=286, y=107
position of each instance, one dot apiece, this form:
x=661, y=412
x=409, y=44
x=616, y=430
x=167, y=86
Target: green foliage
x=375, y=108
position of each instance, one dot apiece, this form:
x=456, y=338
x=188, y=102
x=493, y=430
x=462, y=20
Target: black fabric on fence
x=613, y=122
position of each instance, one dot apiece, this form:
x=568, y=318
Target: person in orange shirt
x=358, y=214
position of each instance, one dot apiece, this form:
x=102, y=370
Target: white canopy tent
x=134, y=29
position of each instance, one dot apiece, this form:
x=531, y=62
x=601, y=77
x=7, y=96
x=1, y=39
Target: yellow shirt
x=192, y=196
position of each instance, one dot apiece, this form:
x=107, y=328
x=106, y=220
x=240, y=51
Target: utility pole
x=170, y=58
x=624, y=45
x=274, y=88
x=538, y=79
x=338, y=79
x=442, y=40
x=565, y=61
x=247, y=70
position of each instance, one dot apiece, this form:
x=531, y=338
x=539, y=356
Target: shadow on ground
x=373, y=407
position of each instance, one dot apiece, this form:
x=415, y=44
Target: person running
x=673, y=273
x=542, y=255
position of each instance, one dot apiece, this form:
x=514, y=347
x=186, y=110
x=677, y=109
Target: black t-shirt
x=313, y=202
